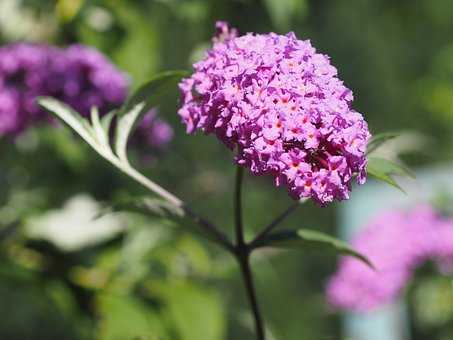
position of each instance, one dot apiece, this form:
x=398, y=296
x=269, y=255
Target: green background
x=157, y=280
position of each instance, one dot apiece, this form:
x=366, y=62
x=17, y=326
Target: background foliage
x=151, y=279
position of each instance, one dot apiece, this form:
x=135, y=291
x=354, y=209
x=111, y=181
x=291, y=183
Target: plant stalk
x=251, y=294
x=267, y=230
x=215, y=233
x=238, y=208
x=242, y=254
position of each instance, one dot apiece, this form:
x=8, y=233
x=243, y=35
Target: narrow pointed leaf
x=79, y=125
x=70, y=117
x=148, y=206
x=377, y=140
x=384, y=170
x=106, y=121
x=124, y=127
x=100, y=133
x=385, y=178
x=389, y=167
x=305, y=239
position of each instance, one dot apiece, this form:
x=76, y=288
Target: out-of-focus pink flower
x=397, y=243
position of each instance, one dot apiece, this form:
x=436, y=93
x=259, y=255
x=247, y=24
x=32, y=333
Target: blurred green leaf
x=68, y=9
x=433, y=301
x=124, y=317
x=138, y=51
x=156, y=208
x=6, y=231
x=377, y=140
x=282, y=12
x=152, y=92
x=195, y=312
x=148, y=206
x=384, y=170
x=304, y=238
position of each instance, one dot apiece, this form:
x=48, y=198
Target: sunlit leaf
x=106, y=121
x=377, y=140
x=97, y=134
x=101, y=134
x=69, y=116
x=305, y=238
x=81, y=126
x=123, y=130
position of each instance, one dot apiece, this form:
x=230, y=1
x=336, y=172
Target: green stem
x=251, y=294
x=267, y=230
x=242, y=254
x=238, y=207
x=211, y=230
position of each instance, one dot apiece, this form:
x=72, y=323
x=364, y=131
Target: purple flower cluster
x=152, y=131
x=281, y=106
x=397, y=243
x=88, y=79
x=78, y=75
x=24, y=74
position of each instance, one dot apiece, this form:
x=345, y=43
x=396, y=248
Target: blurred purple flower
x=25, y=71
x=89, y=79
x=397, y=243
x=78, y=75
x=153, y=131
x=283, y=108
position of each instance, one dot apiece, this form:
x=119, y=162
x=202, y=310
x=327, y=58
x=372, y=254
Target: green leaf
x=93, y=135
x=282, y=12
x=195, y=312
x=70, y=117
x=149, y=206
x=305, y=238
x=123, y=130
x=157, y=208
x=147, y=96
x=100, y=133
x=106, y=121
x=8, y=230
x=153, y=91
x=384, y=170
x=377, y=140
x=97, y=134
x=125, y=317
